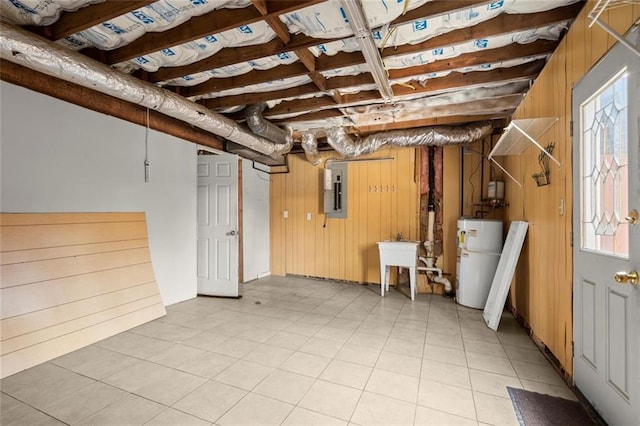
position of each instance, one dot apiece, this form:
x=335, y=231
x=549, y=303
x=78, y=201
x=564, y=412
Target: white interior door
x=218, y=225
x=606, y=242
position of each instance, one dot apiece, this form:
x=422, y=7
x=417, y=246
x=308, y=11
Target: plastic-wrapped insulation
x=262, y=127
x=310, y=146
x=421, y=136
x=23, y=48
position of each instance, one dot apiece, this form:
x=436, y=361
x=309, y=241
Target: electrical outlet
x=308, y=216
x=285, y=214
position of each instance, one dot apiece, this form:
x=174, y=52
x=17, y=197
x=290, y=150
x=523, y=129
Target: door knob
x=627, y=277
x=633, y=217
x=231, y=232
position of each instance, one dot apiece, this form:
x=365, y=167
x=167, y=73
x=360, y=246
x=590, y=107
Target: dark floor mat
x=536, y=409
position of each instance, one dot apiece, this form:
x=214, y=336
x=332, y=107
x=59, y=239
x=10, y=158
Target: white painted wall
x=58, y=157
x=255, y=218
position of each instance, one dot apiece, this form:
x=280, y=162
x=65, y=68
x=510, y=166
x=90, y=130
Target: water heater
x=334, y=184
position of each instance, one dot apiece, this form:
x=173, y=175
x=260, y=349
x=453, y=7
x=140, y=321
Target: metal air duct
x=421, y=136
x=310, y=146
x=265, y=129
x=26, y=49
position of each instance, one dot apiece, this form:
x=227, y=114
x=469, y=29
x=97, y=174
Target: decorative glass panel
x=604, y=169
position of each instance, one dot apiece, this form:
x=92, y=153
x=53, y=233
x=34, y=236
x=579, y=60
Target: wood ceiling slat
x=201, y=26
x=435, y=8
x=230, y=56
x=455, y=80
x=318, y=115
x=234, y=55
x=253, y=77
x=88, y=16
x=469, y=59
x=478, y=58
x=303, y=105
x=252, y=98
x=501, y=24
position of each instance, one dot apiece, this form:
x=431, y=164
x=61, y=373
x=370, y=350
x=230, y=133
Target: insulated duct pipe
x=262, y=127
x=23, y=48
x=310, y=146
x=434, y=135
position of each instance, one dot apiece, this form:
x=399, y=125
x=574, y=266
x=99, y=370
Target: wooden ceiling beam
x=88, y=16
x=317, y=115
x=252, y=98
x=104, y=104
x=501, y=24
x=229, y=56
x=253, y=77
x=435, y=8
x=505, y=53
x=303, y=54
x=197, y=27
x=292, y=107
x=459, y=80
x=344, y=59
x=469, y=59
x=235, y=55
x=454, y=80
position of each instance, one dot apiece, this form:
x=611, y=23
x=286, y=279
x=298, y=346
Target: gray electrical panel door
x=335, y=191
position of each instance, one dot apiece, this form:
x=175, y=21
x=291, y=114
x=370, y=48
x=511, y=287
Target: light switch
x=308, y=216
x=285, y=214
x=561, y=206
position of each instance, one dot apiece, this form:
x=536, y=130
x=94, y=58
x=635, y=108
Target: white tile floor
x=293, y=351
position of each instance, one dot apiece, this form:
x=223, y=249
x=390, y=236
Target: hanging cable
x=147, y=166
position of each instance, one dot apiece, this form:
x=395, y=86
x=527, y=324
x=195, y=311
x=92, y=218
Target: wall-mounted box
x=334, y=185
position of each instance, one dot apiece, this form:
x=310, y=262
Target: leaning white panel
x=504, y=274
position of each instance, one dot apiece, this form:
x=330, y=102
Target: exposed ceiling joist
x=88, y=16
x=201, y=26
x=501, y=24
x=457, y=80
x=504, y=24
x=235, y=55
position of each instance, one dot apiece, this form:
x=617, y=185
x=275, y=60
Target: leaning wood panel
x=32, y=272
x=63, y=328
x=16, y=219
x=8, y=258
x=33, y=355
x=37, y=320
x=25, y=237
x=69, y=280
x=41, y=295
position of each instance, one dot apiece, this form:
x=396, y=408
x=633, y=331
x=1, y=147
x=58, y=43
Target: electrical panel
x=334, y=184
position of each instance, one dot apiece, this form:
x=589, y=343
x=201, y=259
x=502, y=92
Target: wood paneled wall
x=382, y=201
x=542, y=291
x=69, y=280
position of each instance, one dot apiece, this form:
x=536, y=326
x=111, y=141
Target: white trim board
x=504, y=274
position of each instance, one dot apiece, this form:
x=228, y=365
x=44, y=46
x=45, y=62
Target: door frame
x=239, y=209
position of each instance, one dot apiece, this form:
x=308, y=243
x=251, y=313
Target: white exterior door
x=218, y=225
x=606, y=251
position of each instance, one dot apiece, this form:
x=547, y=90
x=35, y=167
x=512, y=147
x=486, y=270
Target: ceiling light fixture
x=362, y=33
